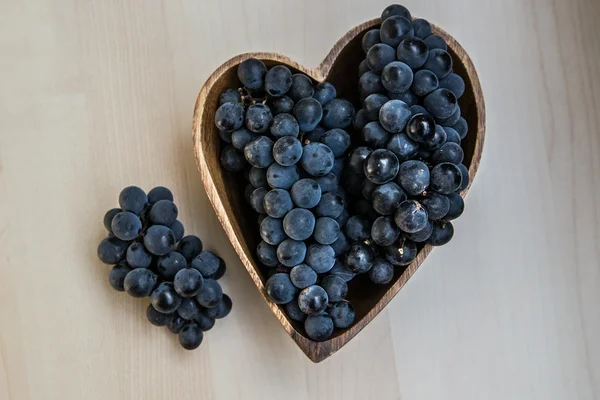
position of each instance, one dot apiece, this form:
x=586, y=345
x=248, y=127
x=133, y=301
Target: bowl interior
x=342, y=72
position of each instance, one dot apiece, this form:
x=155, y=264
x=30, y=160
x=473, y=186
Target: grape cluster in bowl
x=152, y=258
x=341, y=193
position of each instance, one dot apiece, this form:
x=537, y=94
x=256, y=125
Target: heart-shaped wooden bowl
x=225, y=190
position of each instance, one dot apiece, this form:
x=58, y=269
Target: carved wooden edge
x=319, y=351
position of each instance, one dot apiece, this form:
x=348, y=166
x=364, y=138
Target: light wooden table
x=96, y=95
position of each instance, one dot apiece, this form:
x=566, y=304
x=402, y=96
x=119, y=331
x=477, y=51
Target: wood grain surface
x=97, y=95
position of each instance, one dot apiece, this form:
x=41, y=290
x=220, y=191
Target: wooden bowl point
x=225, y=189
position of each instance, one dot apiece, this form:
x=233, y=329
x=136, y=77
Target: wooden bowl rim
x=318, y=351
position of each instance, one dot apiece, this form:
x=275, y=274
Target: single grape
x=358, y=228
x=159, y=240
x=164, y=299
x=108, y=217
x=267, y=254
x=341, y=245
x=357, y=159
x=178, y=230
x=424, y=83
x=189, y=247
x=422, y=28
x=220, y=271
x=258, y=177
x=306, y=193
x=408, y=97
x=278, y=202
x=303, y=276
x=442, y=233
x=437, y=205
x=387, y=197
x=324, y=93
x=308, y=112
x=224, y=308
x=210, y=294
x=259, y=152
x=126, y=226
x=336, y=288
x=278, y=81
x=410, y=216
x=259, y=118
x=402, y=146
x=445, y=178
x=374, y=135
x=280, y=105
x=451, y=135
x=133, y=199
x=328, y=183
x=439, y=62
x=413, y=177
x=229, y=96
x=372, y=105
x=454, y=83
x=271, y=231
x=451, y=120
x=317, y=159
x=302, y=86
x=285, y=124
x=229, y=117
x=207, y=263
x=339, y=269
x=169, y=265
x=139, y=282
x=338, y=113
x=294, y=312
x=287, y=151
x=342, y=314
x=158, y=318
x=163, y=212
x=421, y=128
x=449, y=152
x=370, y=38
x=359, y=258
x=363, y=67
x=395, y=9
x=188, y=309
x=299, y=224
x=117, y=275
x=190, y=336
x=381, y=166
x=337, y=140
x=441, y=103
x=257, y=200
x=188, y=282
x=280, y=289
x=464, y=173
x=422, y=235
x=320, y=257
x=461, y=127
x=437, y=141
x=313, y=300
x=241, y=137
x=331, y=205
x=456, y=207
x=394, y=116
x=369, y=83
x=413, y=52
x=384, y=231
x=232, y=160
x=251, y=73
x=318, y=327
x=137, y=256
x=401, y=253
x=291, y=252
x=382, y=272
x=395, y=29
x=176, y=324
x=380, y=55
x=205, y=322
x=436, y=42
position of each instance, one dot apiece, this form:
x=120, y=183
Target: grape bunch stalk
x=151, y=257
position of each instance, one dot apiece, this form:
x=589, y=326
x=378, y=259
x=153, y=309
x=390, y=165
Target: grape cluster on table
x=152, y=258
x=330, y=208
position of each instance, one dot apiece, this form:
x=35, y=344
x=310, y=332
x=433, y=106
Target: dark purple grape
x=117, y=275
x=456, y=207
x=382, y=272
x=291, y=252
x=380, y=55
x=442, y=233
x=394, y=116
x=165, y=299
x=370, y=38
x=158, y=318
x=445, y=178
x=359, y=258
x=401, y=253
x=189, y=247
x=422, y=28
x=439, y=62
x=396, y=77
x=395, y=29
x=381, y=166
x=384, y=231
x=374, y=135
x=436, y=42
x=342, y=314
x=280, y=289
x=421, y=128
x=410, y=216
x=281, y=105
x=278, y=81
x=302, y=86
x=324, y=93
x=422, y=235
x=313, y=300
x=169, y=265
x=252, y=73
x=387, y=197
x=424, y=83
x=402, y=146
x=336, y=288
x=140, y=282
x=210, y=294
x=108, y=217
x=448, y=152
x=318, y=327
x=413, y=52
x=464, y=173
x=338, y=113
x=454, y=83
x=133, y=199
x=190, y=336
x=395, y=9
x=229, y=117
x=437, y=205
x=413, y=177
x=188, y=282
x=285, y=124
x=111, y=250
